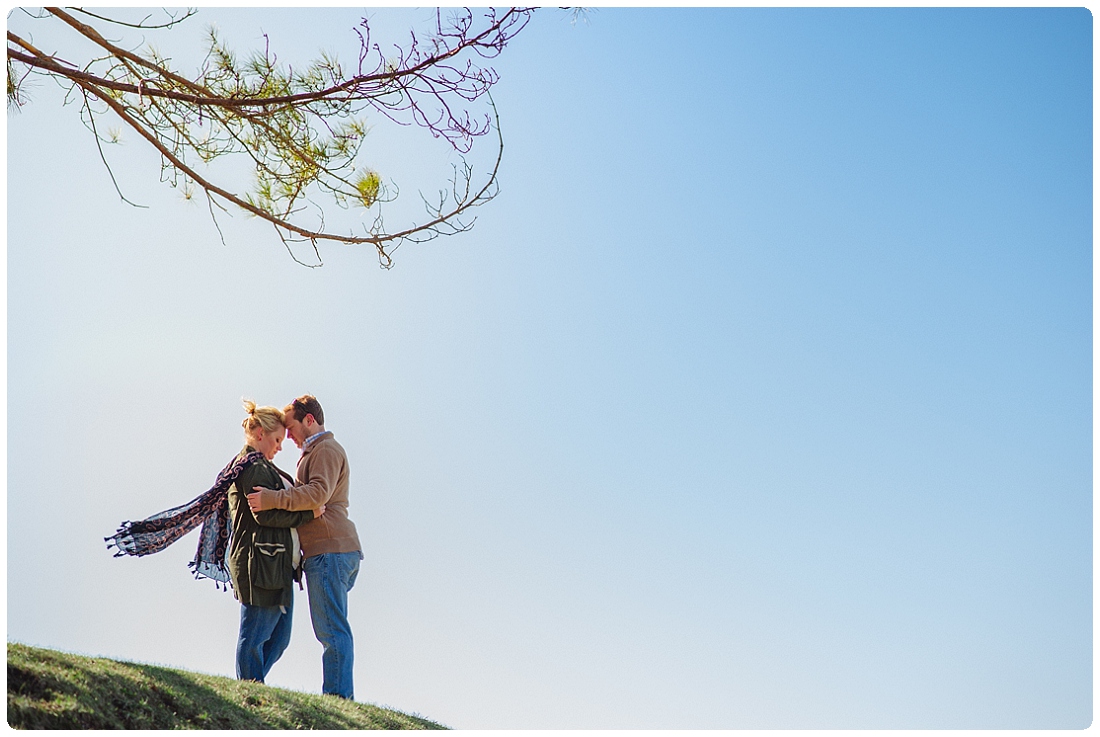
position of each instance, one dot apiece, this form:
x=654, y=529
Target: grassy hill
x=53, y=690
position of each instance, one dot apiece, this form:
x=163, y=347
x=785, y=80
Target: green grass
x=48, y=689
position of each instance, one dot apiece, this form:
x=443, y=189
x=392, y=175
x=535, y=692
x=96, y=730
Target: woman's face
x=268, y=443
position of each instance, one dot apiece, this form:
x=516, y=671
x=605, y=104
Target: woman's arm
x=283, y=518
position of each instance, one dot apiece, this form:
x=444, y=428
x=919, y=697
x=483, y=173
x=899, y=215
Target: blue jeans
x=329, y=578
x=264, y=635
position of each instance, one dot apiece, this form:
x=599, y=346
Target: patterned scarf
x=210, y=509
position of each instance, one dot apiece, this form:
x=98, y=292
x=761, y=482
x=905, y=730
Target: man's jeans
x=264, y=635
x=329, y=578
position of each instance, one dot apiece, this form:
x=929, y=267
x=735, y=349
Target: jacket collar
x=312, y=441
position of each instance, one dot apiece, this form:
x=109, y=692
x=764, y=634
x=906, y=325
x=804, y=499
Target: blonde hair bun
x=269, y=418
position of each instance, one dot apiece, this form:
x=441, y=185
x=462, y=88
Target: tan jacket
x=322, y=479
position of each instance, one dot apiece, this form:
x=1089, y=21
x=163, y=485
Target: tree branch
x=299, y=128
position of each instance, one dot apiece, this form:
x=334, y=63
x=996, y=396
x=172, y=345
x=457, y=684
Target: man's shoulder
x=327, y=444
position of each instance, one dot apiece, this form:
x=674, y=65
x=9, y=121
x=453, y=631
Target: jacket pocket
x=269, y=565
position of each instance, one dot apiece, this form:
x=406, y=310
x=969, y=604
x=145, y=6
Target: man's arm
x=274, y=517
x=283, y=518
x=324, y=471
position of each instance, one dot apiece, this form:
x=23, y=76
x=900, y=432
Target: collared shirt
x=309, y=441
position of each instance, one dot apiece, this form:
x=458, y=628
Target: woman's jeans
x=264, y=635
x=329, y=578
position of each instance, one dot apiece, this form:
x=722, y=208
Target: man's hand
x=319, y=511
x=254, y=502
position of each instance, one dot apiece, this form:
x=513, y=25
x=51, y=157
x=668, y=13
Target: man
x=330, y=545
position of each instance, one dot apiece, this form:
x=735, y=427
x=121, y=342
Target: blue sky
x=760, y=397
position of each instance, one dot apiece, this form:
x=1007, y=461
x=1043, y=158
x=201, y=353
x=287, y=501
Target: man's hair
x=306, y=404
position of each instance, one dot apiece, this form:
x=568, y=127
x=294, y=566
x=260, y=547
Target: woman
x=263, y=550
x=262, y=556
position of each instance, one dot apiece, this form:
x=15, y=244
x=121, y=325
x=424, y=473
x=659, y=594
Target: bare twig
x=103, y=158
x=172, y=22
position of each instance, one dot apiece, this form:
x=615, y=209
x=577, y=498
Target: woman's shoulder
x=266, y=470
x=258, y=469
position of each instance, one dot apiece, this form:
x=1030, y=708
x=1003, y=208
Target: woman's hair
x=269, y=418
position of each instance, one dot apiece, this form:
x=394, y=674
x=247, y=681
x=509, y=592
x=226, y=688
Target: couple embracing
x=262, y=529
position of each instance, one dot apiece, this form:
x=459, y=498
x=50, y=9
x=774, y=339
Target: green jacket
x=260, y=554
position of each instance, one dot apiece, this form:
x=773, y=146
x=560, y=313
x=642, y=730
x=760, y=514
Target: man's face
x=295, y=429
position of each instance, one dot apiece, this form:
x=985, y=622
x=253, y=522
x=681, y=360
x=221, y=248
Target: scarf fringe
x=210, y=509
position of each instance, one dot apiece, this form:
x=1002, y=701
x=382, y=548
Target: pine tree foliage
x=301, y=131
